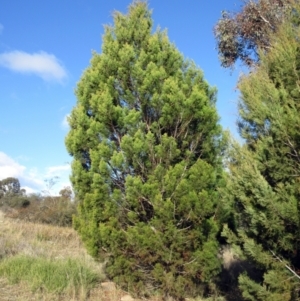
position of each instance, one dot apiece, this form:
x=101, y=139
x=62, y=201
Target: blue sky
x=44, y=48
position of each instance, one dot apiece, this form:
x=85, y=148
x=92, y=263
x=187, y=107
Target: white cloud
x=29, y=190
x=32, y=179
x=9, y=167
x=56, y=178
x=1, y=28
x=65, y=123
x=54, y=171
x=41, y=64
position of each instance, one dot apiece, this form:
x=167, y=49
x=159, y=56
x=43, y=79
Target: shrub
x=146, y=145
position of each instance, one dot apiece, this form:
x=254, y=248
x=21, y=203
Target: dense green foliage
x=147, y=161
x=263, y=187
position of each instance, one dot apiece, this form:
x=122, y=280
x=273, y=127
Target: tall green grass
x=49, y=275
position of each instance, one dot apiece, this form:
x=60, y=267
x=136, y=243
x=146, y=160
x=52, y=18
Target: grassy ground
x=44, y=262
x=40, y=262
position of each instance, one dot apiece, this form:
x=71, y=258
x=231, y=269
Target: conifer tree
x=263, y=186
x=146, y=145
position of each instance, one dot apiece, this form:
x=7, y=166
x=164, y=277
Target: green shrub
x=147, y=165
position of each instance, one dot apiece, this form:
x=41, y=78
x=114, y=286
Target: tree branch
x=285, y=265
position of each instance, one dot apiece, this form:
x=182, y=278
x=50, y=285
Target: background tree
x=66, y=193
x=11, y=194
x=263, y=186
x=240, y=35
x=147, y=161
x=9, y=186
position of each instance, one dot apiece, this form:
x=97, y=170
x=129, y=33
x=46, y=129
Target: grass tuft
x=49, y=275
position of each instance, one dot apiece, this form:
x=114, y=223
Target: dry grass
x=50, y=242
x=21, y=292
x=18, y=237
x=64, y=238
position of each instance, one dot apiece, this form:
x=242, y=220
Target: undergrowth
x=49, y=275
